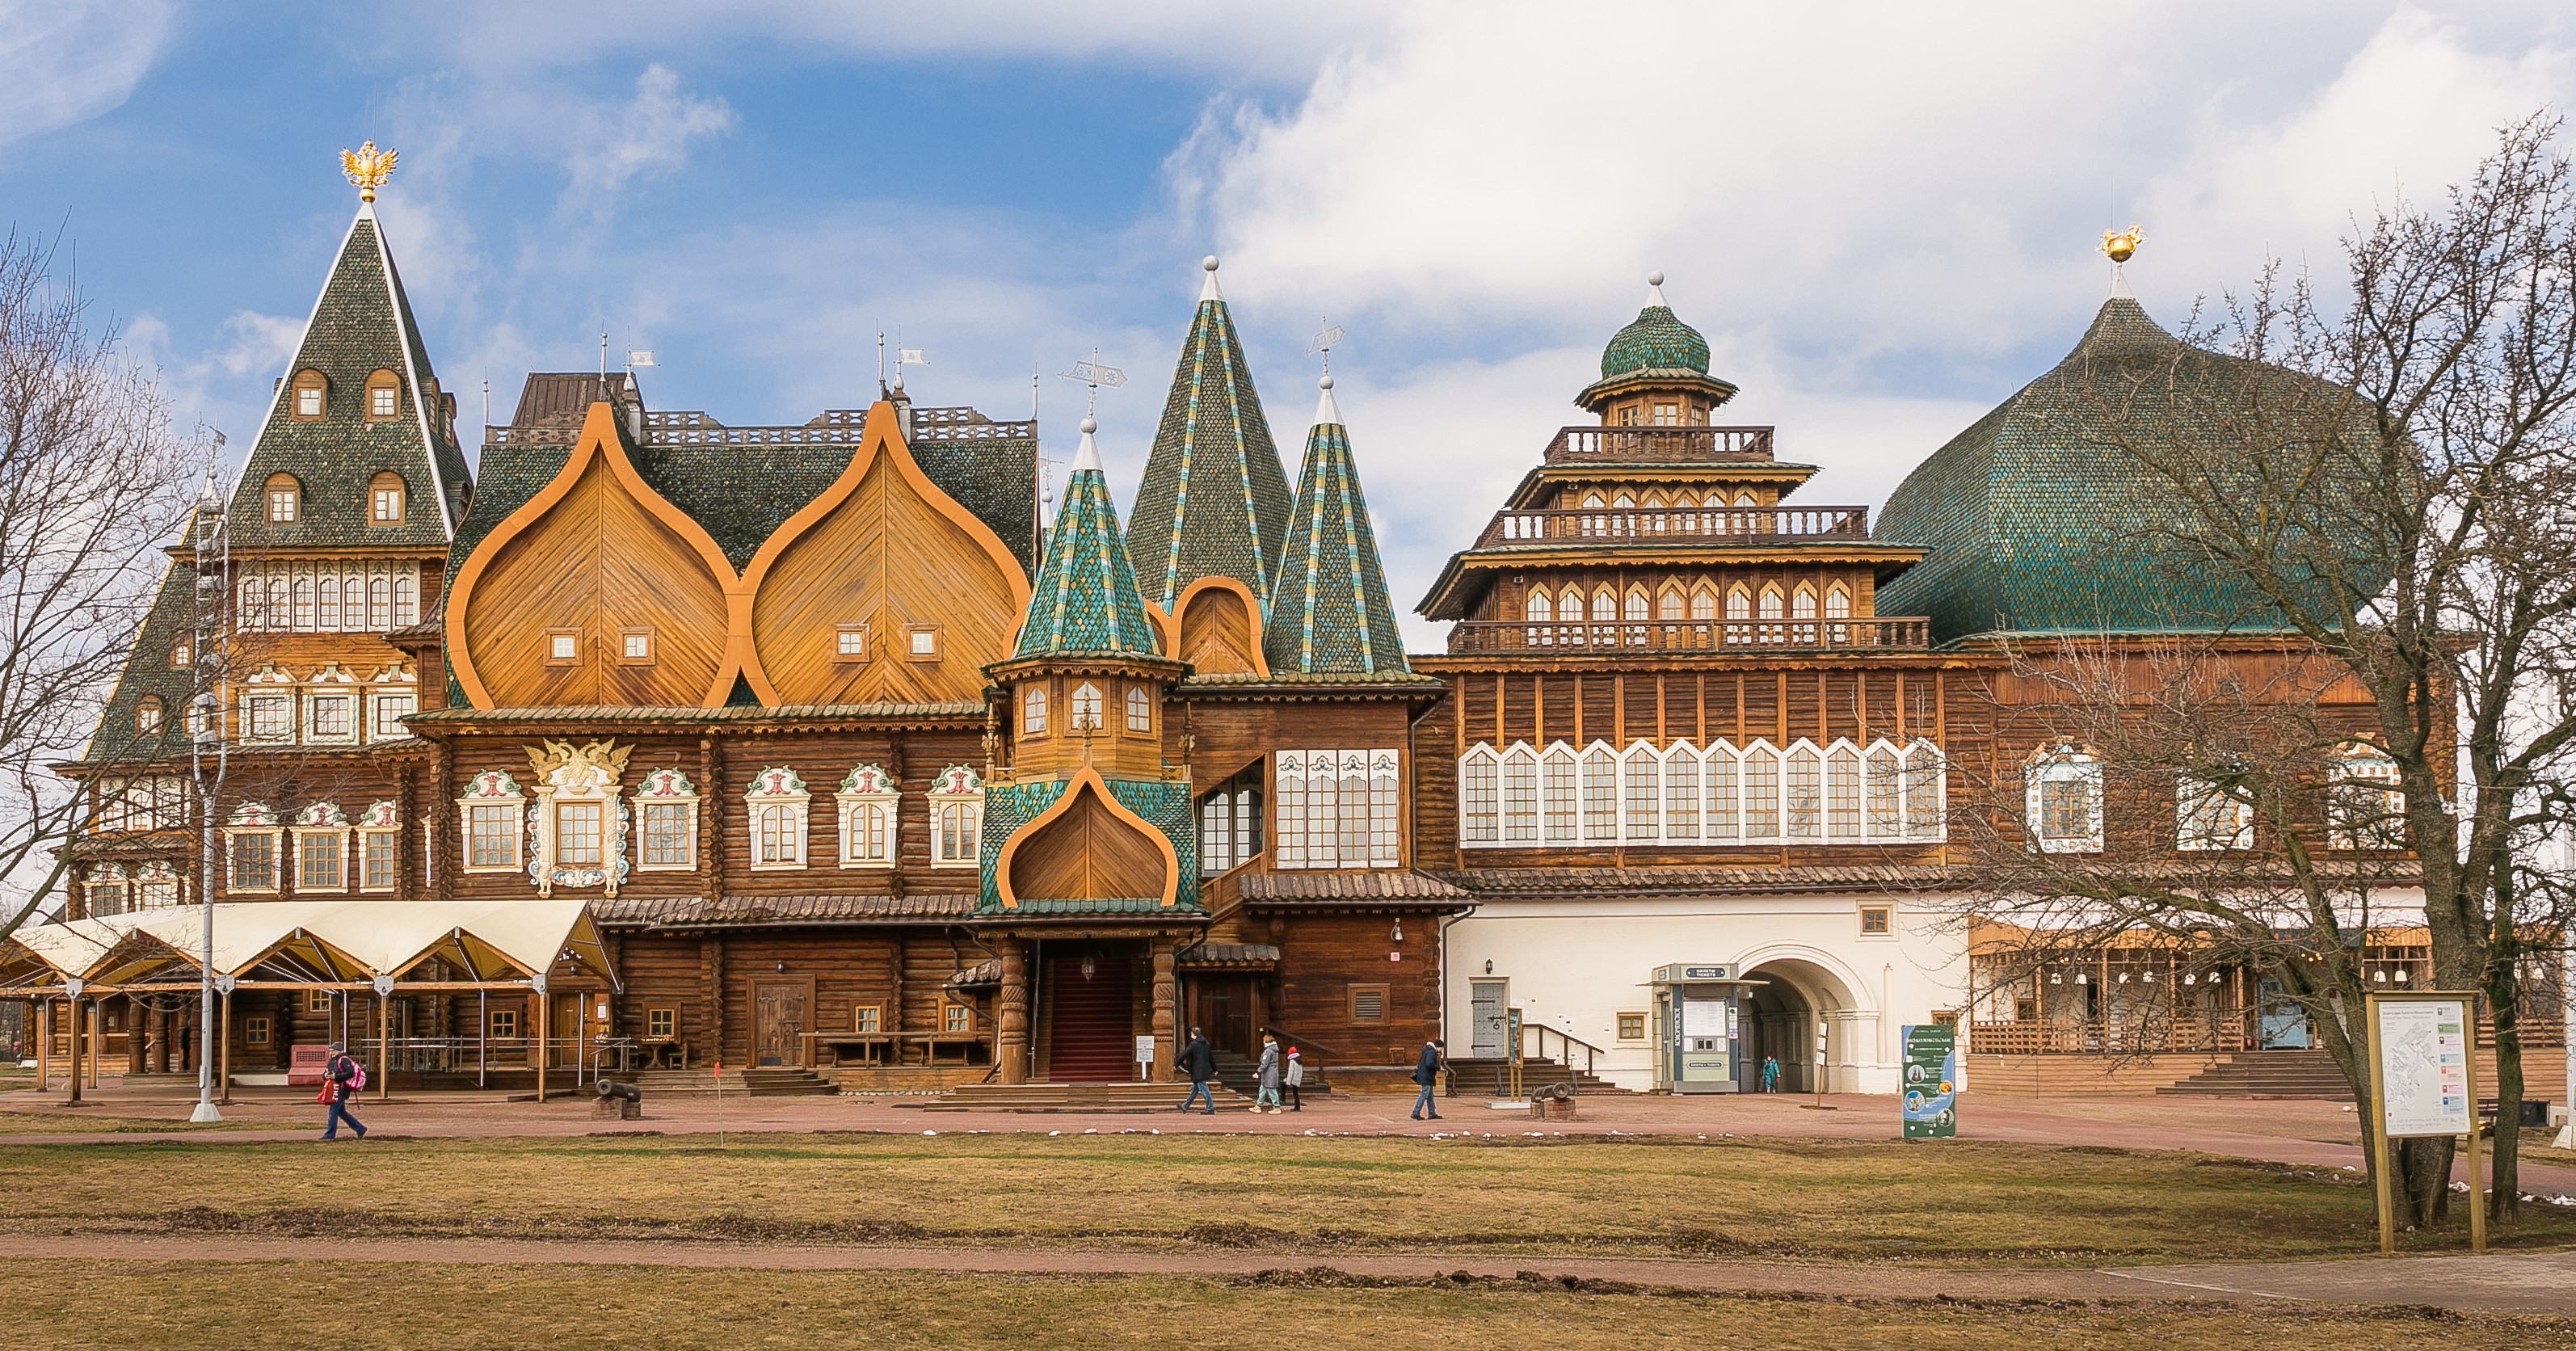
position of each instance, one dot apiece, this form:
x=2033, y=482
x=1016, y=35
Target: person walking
x=1426, y=1072
x=1267, y=1098
x=1770, y=1074
x=1198, y=1060
x=1295, y=1079
x=339, y=1080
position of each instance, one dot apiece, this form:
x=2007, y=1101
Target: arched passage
x=1780, y=1019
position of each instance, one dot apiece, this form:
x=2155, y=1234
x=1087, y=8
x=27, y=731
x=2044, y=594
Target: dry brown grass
x=263, y=1305
x=1954, y=1202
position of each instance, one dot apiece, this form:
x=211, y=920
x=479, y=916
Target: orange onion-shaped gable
x=1220, y=628
x=600, y=557
x=932, y=593
x=1088, y=847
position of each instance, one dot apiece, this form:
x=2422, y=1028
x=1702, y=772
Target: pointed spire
x=1655, y=291
x=2120, y=246
x=1329, y=614
x=1214, y=497
x=1085, y=601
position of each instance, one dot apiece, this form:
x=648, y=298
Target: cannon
x=617, y=1101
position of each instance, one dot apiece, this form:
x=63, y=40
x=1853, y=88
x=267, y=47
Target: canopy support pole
x=224, y=1054
x=76, y=1059
x=542, y=1003
x=44, y=1045
x=384, y=1046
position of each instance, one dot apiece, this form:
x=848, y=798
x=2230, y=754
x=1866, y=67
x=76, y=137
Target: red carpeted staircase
x=1088, y=1021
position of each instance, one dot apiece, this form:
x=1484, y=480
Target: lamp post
x=206, y=753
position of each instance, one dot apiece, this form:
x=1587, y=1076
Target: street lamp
x=206, y=754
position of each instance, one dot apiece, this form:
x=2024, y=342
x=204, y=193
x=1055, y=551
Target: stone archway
x=1780, y=1016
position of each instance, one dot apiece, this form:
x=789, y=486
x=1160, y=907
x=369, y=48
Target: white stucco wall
x=1577, y=965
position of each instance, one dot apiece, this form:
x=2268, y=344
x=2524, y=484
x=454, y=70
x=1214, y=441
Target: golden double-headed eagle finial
x=2120, y=245
x=367, y=168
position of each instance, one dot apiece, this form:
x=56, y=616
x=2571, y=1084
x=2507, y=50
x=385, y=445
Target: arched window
x=306, y=398
x=1669, y=605
x=147, y=714
x=406, y=601
x=1718, y=769
x=285, y=498
x=1605, y=608
x=1557, y=798
x=1086, y=707
x=1569, y=610
x=1033, y=711
x=384, y=397
x=1883, y=800
x=385, y=499
x=1842, y=794
x=1761, y=793
x=304, y=604
x=1540, y=610
x=380, y=604
x=1600, y=794
x=1520, y=796
x=868, y=804
x=1681, y=794
x=329, y=619
x=2062, y=800
x=1838, y=606
x=1770, y=602
x=281, y=607
x=1704, y=603
x=1643, y=800
x=1739, y=604
x=1803, y=606
x=1140, y=708
x=1479, y=815
x=1638, y=613
x=1923, y=792
x=1805, y=806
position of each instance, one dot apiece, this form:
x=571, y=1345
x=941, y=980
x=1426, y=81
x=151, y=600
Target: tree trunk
x=2424, y=1179
x=2506, y=1202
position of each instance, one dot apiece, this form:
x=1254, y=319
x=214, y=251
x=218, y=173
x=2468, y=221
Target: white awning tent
x=480, y=944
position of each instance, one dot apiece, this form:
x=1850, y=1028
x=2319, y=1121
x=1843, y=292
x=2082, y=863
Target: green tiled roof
x=361, y=324
x=1164, y=804
x=1655, y=341
x=148, y=672
x=1214, y=498
x=1085, y=600
x=1329, y=610
x=2043, y=516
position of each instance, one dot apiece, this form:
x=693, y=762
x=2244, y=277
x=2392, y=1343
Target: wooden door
x=778, y=1016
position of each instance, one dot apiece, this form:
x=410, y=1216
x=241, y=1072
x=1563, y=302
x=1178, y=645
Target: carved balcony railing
x=1679, y=525
x=834, y=427
x=1659, y=445
x=1690, y=635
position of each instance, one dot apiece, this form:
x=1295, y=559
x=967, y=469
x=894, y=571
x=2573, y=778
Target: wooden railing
x=1693, y=635
x=1567, y=1048
x=2226, y=1032
x=1659, y=444
x=1680, y=524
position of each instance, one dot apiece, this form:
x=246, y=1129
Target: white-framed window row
x=2211, y=816
x=493, y=819
x=869, y=812
x=252, y=838
x=331, y=699
x=775, y=819
x=147, y=802
x=666, y=809
x=330, y=707
x=1842, y=792
x=104, y=890
x=1337, y=809
x=2062, y=800
x=321, y=834
x=159, y=885
x=2365, y=809
x=375, y=863
x=957, y=817
x=353, y=596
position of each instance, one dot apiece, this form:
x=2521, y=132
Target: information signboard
x=1931, y=1101
x=2423, y=1048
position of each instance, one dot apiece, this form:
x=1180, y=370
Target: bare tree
x=2385, y=470
x=92, y=483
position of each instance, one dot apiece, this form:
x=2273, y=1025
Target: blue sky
x=1884, y=227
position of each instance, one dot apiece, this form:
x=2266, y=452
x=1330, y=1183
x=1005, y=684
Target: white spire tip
x=1089, y=426
x=1654, y=279
x=1326, y=382
x=1208, y=262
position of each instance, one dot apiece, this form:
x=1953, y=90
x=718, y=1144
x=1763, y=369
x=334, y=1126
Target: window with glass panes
x=577, y=834
x=319, y=865
x=377, y=860
x=1338, y=809
x=669, y=834
x=391, y=709
x=492, y=835
x=254, y=861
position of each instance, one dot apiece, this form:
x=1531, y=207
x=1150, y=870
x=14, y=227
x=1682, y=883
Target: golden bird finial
x=367, y=168
x=2120, y=245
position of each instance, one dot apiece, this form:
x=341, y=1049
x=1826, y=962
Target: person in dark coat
x=337, y=1076
x=1426, y=1072
x=1198, y=1060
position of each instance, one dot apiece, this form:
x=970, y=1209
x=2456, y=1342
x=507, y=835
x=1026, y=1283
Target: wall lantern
x=1489, y=966
x=1396, y=934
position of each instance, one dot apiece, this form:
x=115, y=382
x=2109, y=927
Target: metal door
x=2284, y=1025
x=1485, y=1023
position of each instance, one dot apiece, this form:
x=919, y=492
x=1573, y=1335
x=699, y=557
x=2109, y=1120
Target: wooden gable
x=1217, y=629
x=1088, y=847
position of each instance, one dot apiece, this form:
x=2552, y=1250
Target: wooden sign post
x=2423, y=1083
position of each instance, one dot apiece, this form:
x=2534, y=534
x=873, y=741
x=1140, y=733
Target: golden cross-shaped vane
x=367, y=169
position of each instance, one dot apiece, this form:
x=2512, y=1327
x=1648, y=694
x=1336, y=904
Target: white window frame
x=382, y=822
x=1033, y=710
x=2209, y=818
x=2067, y=765
x=99, y=883
x=2361, y=782
x=391, y=704
x=248, y=820
x=1338, y=809
x=578, y=776
x=1682, y=795
x=321, y=822
x=494, y=792
x=956, y=800
x=870, y=804
x=158, y=876
x=779, y=788
x=1140, y=708
x=666, y=790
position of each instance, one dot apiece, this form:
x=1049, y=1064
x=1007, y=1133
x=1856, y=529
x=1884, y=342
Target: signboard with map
x=1931, y=1101
x=2423, y=1070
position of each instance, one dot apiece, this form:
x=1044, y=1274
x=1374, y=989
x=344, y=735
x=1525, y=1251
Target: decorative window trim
x=847, y=636
x=105, y=890
x=867, y=792
x=492, y=789
x=1033, y=710
x=333, y=683
x=382, y=822
x=666, y=788
x=554, y=649
x=921, y=642
x=1337, y=809
x=958, y=791
x=777, y=787
x=565, y=775
x=2209, y=818
x=300, y=408
x=378, y=382
x=322, y=821
x=388, y=500
x=157, y=876
x=1139, y=699
x=2364, y=807
x=248, y=820
x=2063, y=765
x=627, y=653
x=1519, y=796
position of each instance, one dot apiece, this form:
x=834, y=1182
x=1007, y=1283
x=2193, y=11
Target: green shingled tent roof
x=1214, y=499
x=1085, y=601
x=1329, y=613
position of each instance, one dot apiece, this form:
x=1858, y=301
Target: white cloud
x=66, y=61
x=651, y=133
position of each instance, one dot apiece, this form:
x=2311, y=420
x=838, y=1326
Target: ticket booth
x=1695, y=1028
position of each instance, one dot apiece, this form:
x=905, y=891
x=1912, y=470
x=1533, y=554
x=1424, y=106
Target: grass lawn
x=1784, y=1199
x=250, y=1305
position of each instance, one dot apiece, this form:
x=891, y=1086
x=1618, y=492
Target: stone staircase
x=2266, y=1074
x=1491, y=1078
x=1093, y=1098
x=789, y=1081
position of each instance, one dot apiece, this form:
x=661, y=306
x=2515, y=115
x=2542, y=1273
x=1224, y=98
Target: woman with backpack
x=341, y=1078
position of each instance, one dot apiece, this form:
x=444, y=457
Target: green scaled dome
x=1655, y=342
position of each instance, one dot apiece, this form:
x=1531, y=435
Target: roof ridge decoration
x=1085, y=601
x=1214, y=498
x=360, y=322
x=1329, y=613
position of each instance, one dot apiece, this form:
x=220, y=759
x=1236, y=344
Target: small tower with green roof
x=1329, y=613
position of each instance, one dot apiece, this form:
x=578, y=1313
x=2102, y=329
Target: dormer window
x=1140, y=708
x=285, y=499
x=147, y=714
x=1086, y=707
x=385, y=499
x=1033, y=711
x=307, y=397
x=384, y=397
x=1668, y=415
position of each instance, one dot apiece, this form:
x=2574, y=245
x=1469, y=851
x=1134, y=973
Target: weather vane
x=2121, y=245
x=1093, y=375
x=367, y=168
x=1322, y=346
